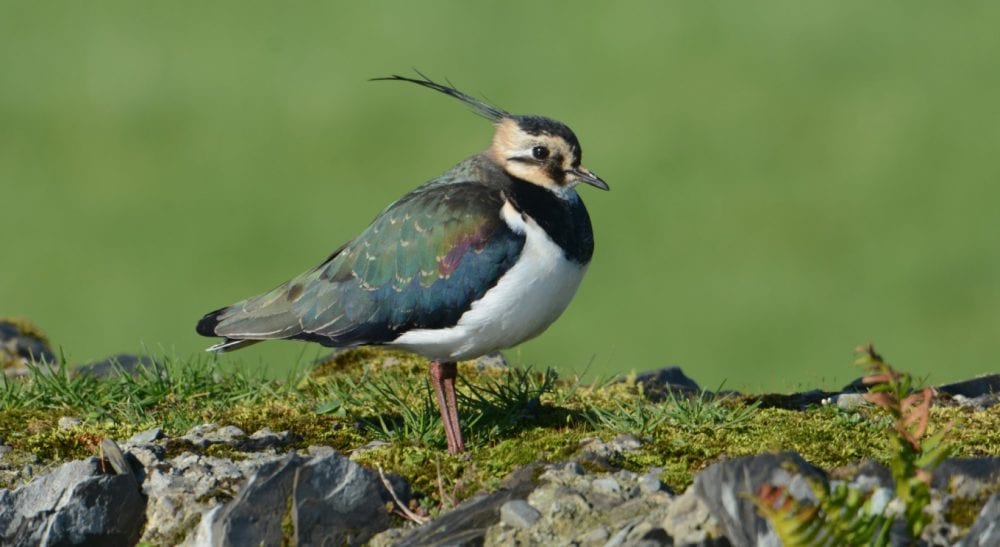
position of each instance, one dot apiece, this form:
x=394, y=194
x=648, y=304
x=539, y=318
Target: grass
x=782, y=178
x=511, y=417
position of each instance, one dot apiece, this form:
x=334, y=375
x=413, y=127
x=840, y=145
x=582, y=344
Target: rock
x=688, y=519
x=123, y=363
x=967, y=477
x=204, y=435
x=850, y=401
x=328, y=500
x=73, y=505
x=606, y=486
x=182, y=488
x=264, y=439
x=338, y=502
x=657, y=384
x=981, y=402
x=795, y=401
x=976, y=387
x=985, y=531
x=468, y=522
x=727, y=489
x=650, y=482
x=146, y=437
x=519, y=514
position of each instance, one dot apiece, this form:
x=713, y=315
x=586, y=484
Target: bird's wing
x=420, y=264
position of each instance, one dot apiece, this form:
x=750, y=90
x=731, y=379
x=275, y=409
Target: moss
x=368, y=383
x=356, y=360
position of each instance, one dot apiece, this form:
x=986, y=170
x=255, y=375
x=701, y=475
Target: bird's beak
x=586, y=175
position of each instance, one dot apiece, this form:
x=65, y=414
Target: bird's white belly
x=525, y=301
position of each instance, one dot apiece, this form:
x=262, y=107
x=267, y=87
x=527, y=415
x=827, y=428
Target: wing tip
x=206, y=326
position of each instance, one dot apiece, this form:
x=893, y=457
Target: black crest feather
x=480, y=107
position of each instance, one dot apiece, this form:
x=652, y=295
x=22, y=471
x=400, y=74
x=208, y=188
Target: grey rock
x=182, y=488
x=146, y=437
x=982, y=402
x=205, y=435
x=606, y=485
x=468, y=522
x=727, y=489
x=650, y=482
x=264, y=439
x=338, y=502
x=967, y=477
x=254, y=515
x=519, y=514
x=330, y=500
x=976, y=387
x=657, y=384
x=73, y=505
x=850, y=401
x=114, y=455
x=985, y=531
x=688, y=519
x=620, y=536
x=320, y=450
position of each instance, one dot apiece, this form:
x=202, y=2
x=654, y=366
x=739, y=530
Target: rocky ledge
x=264, y=495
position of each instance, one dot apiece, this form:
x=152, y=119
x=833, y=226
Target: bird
x=479, y=259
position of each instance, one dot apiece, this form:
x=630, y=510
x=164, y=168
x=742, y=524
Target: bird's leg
x=443, y=378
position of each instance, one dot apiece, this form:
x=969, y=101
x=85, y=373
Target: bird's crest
x=483, y=108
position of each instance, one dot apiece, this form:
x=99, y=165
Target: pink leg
x=443, y=378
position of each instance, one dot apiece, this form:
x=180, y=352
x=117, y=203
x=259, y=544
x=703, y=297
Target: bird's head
x=536, y=149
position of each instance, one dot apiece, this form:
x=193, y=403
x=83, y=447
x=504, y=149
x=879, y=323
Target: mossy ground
x=511, y=418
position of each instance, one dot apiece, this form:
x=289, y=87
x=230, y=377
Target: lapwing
x=479, y=259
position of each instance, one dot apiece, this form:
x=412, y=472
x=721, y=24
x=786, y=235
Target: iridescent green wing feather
x=421, y=264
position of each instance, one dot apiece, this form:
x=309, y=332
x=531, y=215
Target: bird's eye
x=540, y=152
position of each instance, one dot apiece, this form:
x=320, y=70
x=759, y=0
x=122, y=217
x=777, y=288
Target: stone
x=687, y=519
x=851, y=401
x=330, y=501
x=657, y=384
x=976, y=387
x=181, y=489
x=205, y=435
x=967, y=477
x=73, y=505
x=519, y=514
x=146, y=437
x=985, y=531
x=650, y=482
x=264, y=439
x=606, y=485
x=337, y=502
x=469, y=521
x=727, y=488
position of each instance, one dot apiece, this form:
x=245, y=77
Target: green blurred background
x=788, y=179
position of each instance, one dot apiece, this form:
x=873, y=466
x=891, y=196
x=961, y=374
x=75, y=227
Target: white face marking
x=513, y=148
x=526, y=300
